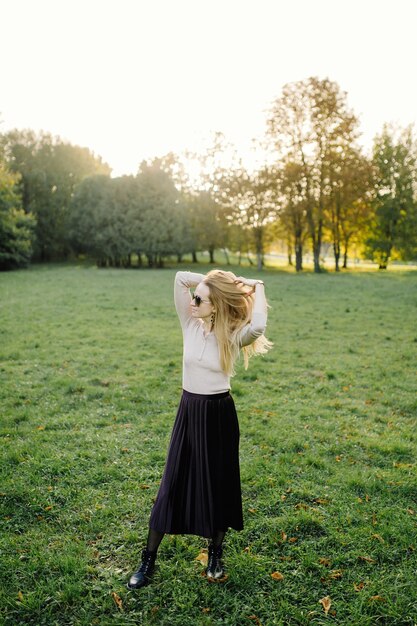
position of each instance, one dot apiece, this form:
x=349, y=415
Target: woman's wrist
x=249, y=282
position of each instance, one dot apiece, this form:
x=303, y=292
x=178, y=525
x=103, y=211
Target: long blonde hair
x=233, y=304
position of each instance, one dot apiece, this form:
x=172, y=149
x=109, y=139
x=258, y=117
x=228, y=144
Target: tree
x=394, y=224
x=348, y=206
x=307, y=125
x=292, y=215
x=16, y=228
x=49, y=171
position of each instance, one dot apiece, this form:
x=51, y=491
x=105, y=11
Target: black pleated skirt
x=200, y=488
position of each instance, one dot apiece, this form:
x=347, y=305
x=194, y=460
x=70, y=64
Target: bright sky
x=133, y=79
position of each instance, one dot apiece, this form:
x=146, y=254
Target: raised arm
x=257, y=325
x=184, y=281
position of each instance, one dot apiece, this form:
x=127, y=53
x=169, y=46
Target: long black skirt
x=200, y=489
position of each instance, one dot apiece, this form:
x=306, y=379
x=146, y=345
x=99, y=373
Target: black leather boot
x=215, y=570
x=142, y=576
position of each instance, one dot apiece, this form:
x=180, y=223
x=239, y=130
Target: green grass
x=90, y=379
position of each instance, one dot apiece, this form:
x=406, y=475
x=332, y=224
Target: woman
x=200, y=489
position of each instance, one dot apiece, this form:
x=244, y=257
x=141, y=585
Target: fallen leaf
x=321, y=501
x=283, y=536
x=377, y=599
x=255, y=619
x=40, y=428
x=367, y=559
x=411, y=511
x=47, y=508
x=335, y=574
x=277, y=576
x=338, y=458
x=326, y=603
x=302, y=505
x=293, y=539
x=252, y=510
x=283, y=497
x=326, y=562
x=124, y=450
x=202, y=558
x=378, y=537
x=144, y=486
x=20, y=596
x=206, y=610
x=358, y=587
x=117, y=600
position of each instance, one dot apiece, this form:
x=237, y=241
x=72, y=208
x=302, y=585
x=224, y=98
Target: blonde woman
x=200, y=490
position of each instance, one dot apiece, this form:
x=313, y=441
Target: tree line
x=315, y=185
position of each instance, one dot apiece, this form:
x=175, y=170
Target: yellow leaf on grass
x=283, y=536
x=358, y=587
x=20, y=596
x=202, y=558
x=117, y=600
x=378, y=537
x=335, y=574
x=377, y=599
x=367, y=559
x=41, y=428
x=252, y=510
x=324, y=562
x=255, y=619
x=144, y=486
x=293, y=539
x=206, y=610
x=326, y=604
x=277, y=576
x=48, y=508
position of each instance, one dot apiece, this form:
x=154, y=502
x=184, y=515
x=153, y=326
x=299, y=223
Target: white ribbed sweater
x=201, y=360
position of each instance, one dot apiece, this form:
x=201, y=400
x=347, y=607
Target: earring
x=212, y=318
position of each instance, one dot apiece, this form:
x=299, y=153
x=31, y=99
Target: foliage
x=395, y=205
x=49, y=170
x=111, y=219
x=16, y=227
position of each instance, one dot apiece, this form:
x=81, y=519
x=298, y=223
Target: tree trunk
x=179, y=258
x=211, y=253
x=259, y=261
x=298, y=256
x=316, y=256
x=194, y=255
x=345, y=253
x=226, y=254
x=289, y=251
x=336, y=250
x=239, y=258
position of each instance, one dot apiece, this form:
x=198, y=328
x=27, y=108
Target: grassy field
x=90, y=379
